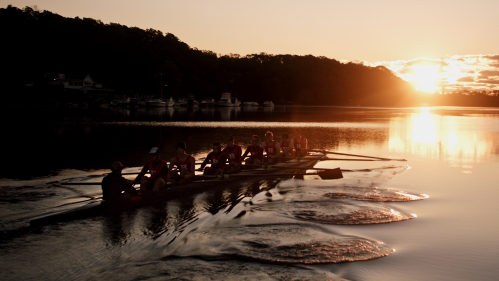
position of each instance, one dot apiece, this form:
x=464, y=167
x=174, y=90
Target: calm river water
x=432, y=217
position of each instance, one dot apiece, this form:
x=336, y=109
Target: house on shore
x=86, y=84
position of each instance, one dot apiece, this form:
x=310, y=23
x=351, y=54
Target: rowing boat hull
x=97, y=207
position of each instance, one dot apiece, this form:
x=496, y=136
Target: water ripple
x=284, y=243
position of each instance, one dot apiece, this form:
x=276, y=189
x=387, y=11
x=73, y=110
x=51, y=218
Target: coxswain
x=217, y=159
x=184, y=164
x=271, y=147
x=115, y=187
x=255, y=151
x=159, y=172
x=286, y=146
x=233, y=153
x=300, y=144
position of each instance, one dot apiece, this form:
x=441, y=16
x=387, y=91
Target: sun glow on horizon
x=425, y=77
x=459, y=72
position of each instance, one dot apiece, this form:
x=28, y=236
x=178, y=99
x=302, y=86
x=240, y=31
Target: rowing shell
x=96, y=207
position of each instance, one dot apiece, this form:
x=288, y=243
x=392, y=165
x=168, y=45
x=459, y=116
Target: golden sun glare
x=425, y=77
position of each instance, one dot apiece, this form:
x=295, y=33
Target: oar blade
x=331, y=174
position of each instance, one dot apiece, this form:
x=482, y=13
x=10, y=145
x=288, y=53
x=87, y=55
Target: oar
x=99, y=183
x=80, y=183
x=346, y=159
x=317, y=169
x=327, y=174
x=355, y=155
x=306, y=157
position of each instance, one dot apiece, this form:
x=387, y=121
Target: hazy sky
x=353, y=30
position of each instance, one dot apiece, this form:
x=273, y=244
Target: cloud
x=489, y=81
x=488, y=73
x=492, y=57
x=406, y=70
x=456, y=71
x=465, y=79
x=423, y=61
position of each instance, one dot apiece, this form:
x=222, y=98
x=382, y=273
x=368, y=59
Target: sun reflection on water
x=424, y=129
x=457, y=139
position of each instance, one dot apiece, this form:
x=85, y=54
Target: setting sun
x=425, y=77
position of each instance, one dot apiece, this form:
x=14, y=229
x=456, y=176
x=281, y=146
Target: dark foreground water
x=430, y=218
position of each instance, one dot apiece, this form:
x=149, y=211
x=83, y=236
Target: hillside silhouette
x=133, y=61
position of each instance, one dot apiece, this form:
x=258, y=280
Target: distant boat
x=226, y=101
x=236, y=101
x=268, y=104
x=250, y=103
x=191, y=101
x=169, y=102
x=137, y=102
x=156, y=103
x=194, y=103
x=208, y=102
x=160, y=102
x=123, y=102
x=181, y=102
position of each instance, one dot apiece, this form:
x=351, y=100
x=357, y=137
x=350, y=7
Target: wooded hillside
x=129, y=60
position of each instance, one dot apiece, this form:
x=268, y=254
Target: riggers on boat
x=97, y=206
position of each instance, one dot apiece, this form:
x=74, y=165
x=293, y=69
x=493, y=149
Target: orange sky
x=459, y=72
x=390, y=32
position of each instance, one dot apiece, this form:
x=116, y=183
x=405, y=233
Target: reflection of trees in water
x=180, y=109
x=121, y=112
x=250, y=108
x=157, y=112
x=229, y=113
x=189, y=113
x=208, y=111
x=268, y=109
x=341, y=138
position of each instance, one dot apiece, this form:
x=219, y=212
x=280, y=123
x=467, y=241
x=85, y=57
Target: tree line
x=131, y=60
x=462, y=98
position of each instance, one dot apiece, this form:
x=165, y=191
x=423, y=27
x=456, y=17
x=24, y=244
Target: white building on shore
x=84, y=85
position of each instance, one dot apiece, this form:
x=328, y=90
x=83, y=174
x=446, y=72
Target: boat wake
x=23, y=200
x=337, y=212
x=240, y=230
x=293, y=243
x=355, y=199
